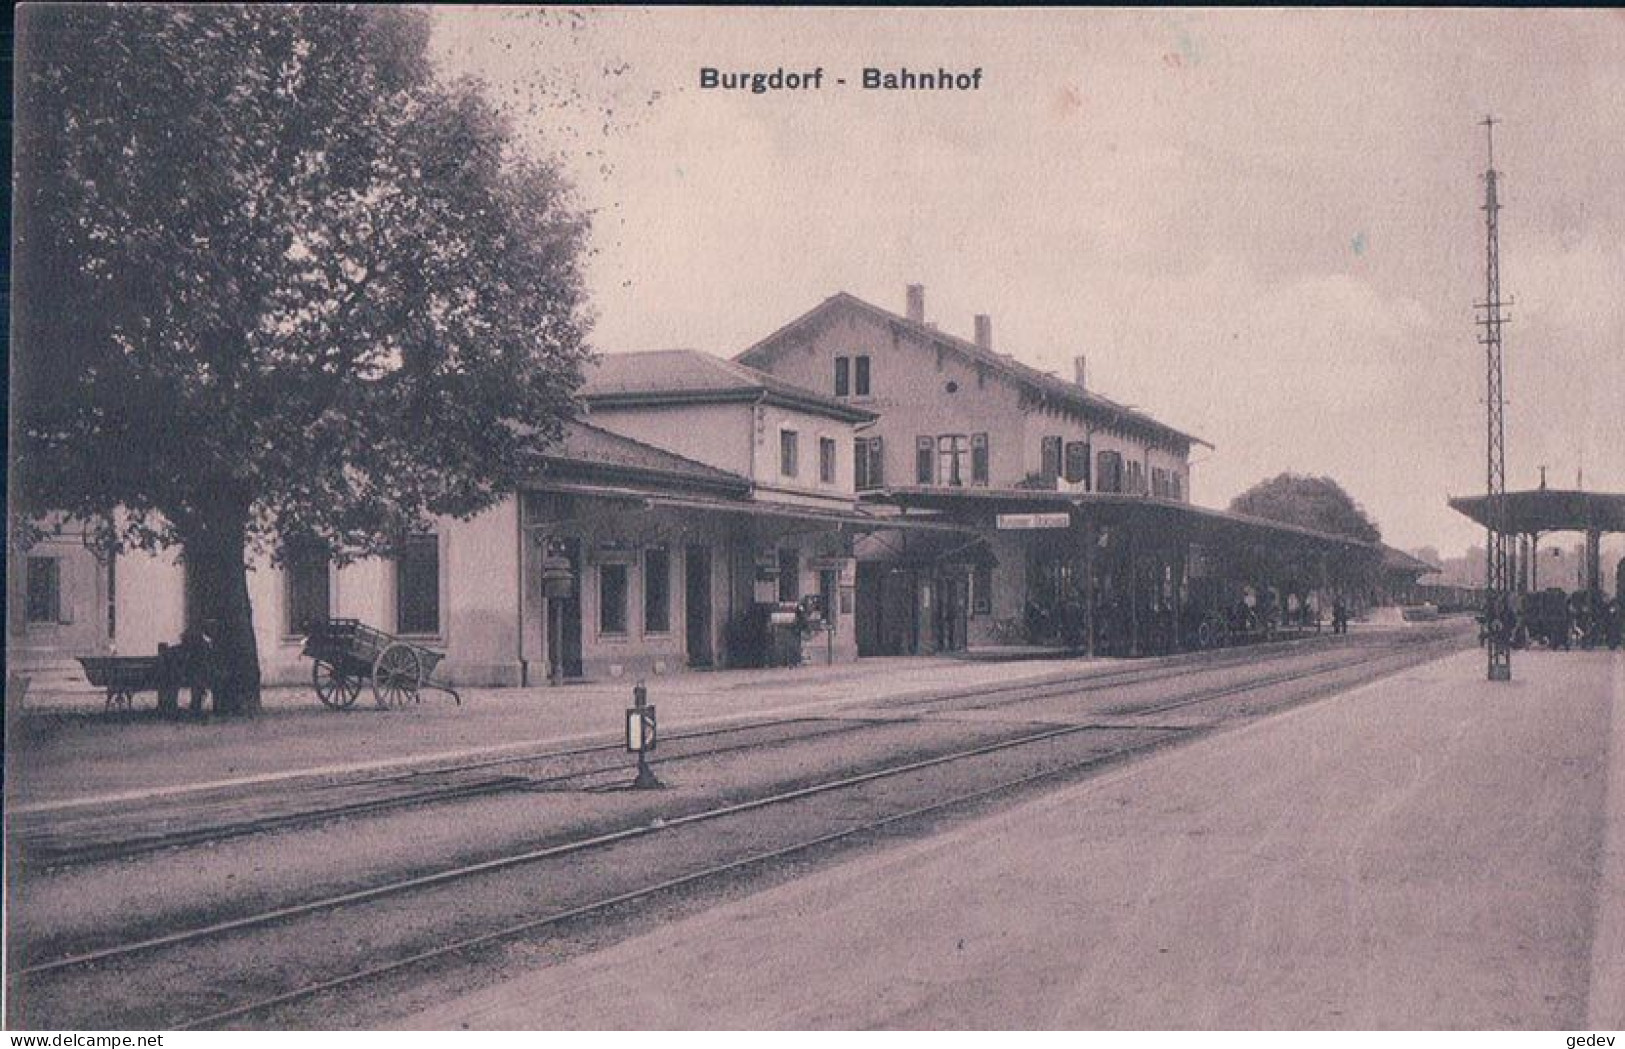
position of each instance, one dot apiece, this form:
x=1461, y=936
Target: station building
x=692, y=499
x=1088, y=537
x=887, y=487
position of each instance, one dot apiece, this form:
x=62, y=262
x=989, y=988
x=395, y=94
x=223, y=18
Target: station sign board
x=1023, y=522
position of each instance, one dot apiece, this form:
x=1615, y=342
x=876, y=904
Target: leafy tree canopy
x=269, y=268
x=275, y=279
x=1308, y=502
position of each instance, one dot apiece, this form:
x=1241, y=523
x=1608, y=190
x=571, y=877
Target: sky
x=1262, y=227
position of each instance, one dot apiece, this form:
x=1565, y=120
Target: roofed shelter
x=1533, y=513
x=1127, y=559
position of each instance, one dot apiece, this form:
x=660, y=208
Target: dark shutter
x=1050, y=458
x=1077, y=461
x=843, y=376
x=978, y=458
x=861, y=385
x=924, y=452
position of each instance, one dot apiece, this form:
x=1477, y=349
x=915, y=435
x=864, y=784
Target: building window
x=612, y=599
x=1176, y=486
x=868, y=463
x=1136, y=477
x=44, y=590
x=860, y=375
x=843, y=376
x=788, y=441
x=1076, y=467
x=924, y=460
x=789, y=575
x=656, y=590
x=978, y=458
x=1159, y=482
x=417, y=586
x=952, y=451
x=1109, y=472
x=826, y=460
x=981, y=600
x=309, y=596
x=1049, y=455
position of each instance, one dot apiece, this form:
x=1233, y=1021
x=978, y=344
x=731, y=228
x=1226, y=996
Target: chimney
x=916, y=303
x=1080, y=372
x=984, y=331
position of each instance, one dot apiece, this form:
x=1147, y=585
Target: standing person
x=1340, y=616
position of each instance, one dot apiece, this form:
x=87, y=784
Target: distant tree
x=1319, y=503
x=1308, y=502
x=274, y=279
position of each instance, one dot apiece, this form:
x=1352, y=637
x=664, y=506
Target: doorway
x=697, y=604
x=953, y=607
x=564, y=659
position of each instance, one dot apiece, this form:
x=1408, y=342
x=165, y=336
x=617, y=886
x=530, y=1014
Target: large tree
x=275, y=280
x=1308, y=502
x=1319, y=503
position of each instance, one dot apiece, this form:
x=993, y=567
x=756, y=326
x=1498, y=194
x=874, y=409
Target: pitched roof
x=663, y=377
x=1045, y=385
x=1396, y=560
x=589, y=450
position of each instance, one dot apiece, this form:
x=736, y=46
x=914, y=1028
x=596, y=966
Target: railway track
x=774, y=825
x=55, y=839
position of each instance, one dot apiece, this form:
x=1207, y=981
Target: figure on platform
x=1340, y=616
x=1615, y=615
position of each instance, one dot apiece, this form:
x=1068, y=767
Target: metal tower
x=1498, y=609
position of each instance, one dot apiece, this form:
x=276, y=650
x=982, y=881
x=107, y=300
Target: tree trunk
x=214, y=555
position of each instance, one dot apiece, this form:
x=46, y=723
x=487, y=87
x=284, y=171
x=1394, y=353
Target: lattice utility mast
x=1497, y=575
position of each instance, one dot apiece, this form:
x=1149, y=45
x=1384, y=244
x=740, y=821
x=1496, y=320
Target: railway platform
x=1428, y=851
x=64, y=756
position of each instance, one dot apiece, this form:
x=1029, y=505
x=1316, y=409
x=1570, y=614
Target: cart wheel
x=334, y=687
x=118, y=699
x=396, y=676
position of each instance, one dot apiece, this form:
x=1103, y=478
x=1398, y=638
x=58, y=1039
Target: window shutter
x=1050, y=455
x=978, y=458
x=843, y=376
x=924, y=453
x=862, y=377
x=1077, y=467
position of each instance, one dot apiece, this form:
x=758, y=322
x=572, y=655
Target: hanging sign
x=1023, y=522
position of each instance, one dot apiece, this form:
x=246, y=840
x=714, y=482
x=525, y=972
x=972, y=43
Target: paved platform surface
x=1430, y=851
x=71, y=758
x=65, y=751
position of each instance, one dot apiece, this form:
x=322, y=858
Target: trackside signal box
x=640, y=729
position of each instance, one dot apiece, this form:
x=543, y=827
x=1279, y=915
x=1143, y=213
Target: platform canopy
x=1550, y=510
x=1171, y=520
